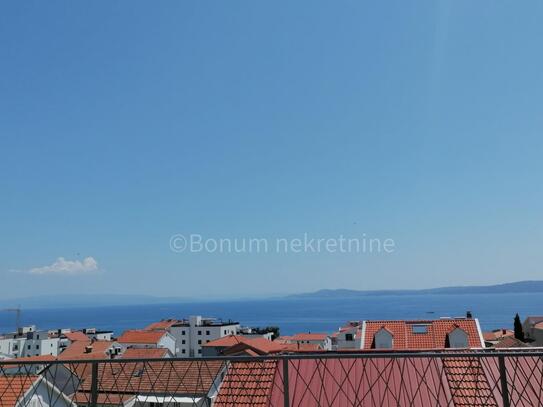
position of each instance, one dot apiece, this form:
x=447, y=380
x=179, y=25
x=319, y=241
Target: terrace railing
x=475, y=378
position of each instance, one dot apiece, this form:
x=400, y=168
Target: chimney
x=469, y=314
x=88, y=349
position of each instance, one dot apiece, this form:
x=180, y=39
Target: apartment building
x=191, y=334
x=28, y=341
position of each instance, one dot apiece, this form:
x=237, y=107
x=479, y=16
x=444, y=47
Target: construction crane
x=17, y=316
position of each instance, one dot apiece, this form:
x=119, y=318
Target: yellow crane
x=17, y=316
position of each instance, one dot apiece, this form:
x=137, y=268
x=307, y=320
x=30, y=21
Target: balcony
x=474, y=378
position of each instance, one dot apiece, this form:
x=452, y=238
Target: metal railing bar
x=327, y=355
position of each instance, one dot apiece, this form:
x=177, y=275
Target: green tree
x=519, y=333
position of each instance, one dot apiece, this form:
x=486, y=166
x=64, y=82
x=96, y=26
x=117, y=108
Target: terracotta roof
x=80, y=350
x=539, y=325
x=140, y=336
x=497, y=334
x=226, y=341
x=41, y=358
x=156, y=377
x=12, y=388
x=76, y=336
x=161, y=325
x=247, y=384
x=468, y=383
x=309, y=337
x=154, y=353
x=434, y=338
x=511, y=342
x=236, y=344
x=301, y=347
x=260, y=346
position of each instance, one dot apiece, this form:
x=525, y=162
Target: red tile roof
x=497, y=334
x=86, y=350
x=155, y=377
x=434, y=338
x=236, y=344
x=161, y=325
x=309, y=337
x=76, y=336
x=155, y=353
x=247, y=384
x=510, y=342
x=468, y=383
x=384, y=381
x=301, y=347
x=41, y=358
x=140, y=336
x=259, y=346
x=226, y=341
x=12, y=388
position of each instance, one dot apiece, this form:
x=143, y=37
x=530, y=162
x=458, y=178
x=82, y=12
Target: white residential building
x=29, y=342
x=191, y=334
x=348, y=336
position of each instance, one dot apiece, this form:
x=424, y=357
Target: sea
x=292, y=315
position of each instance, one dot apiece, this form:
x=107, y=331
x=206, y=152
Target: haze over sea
x=293, y=315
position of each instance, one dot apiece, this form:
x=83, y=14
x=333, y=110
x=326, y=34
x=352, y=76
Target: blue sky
x=123, y=123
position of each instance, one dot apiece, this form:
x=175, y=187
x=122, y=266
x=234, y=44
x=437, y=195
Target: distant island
x=507, y=288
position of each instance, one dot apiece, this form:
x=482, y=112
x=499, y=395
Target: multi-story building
x=28, y=341
x=191, y=334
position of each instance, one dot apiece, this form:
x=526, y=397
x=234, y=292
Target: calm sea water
x=493, y=311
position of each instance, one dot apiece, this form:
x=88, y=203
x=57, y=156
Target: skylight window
x=420, y=329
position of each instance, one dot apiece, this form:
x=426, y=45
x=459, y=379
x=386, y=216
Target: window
x=208, y=333
x=183, y=342
x=199, y=332
x=37, y=346
x=419, y=329
x=199, y=341
x=183, y=351
x=199, y=350
x=28, y=347
x=182, y=332
x=349, y=337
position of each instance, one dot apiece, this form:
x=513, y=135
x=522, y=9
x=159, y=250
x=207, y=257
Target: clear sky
x=123, y=123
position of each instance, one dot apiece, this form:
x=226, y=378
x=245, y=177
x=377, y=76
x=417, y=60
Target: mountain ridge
x=528, y=286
